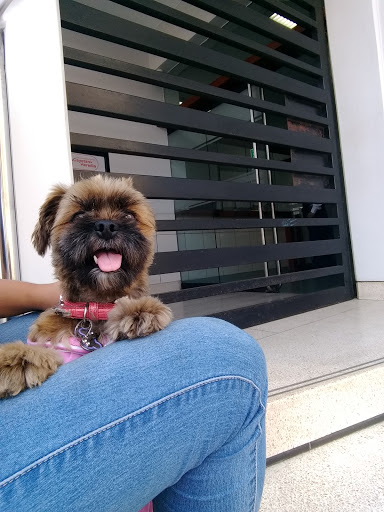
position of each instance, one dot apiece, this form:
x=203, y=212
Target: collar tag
x=83, y=331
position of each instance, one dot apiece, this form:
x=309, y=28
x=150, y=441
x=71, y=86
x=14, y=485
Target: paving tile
x=301, y=416
x=323, y=347
x=258, y=334
x=343, y=476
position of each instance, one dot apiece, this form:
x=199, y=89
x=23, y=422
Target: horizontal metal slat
x=87, y=60
x=249, y=284
x=75, y=16
x=180, y=261
x=179, y=188
x=82, y=98
x=192, y=23
x=245, y=17
x=83, y=143
x=238, y=223
x=157, y=187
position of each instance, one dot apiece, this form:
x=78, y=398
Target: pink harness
x=70, y=351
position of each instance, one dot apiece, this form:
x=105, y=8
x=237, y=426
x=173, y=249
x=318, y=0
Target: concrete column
x=38, y=122
x=355, y=31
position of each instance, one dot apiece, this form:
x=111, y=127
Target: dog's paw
x=51, y=327
x=133, y=318
x=24, y=366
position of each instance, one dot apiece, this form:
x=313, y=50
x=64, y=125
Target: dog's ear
x=41, y=236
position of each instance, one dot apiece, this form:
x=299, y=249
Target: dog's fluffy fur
x=96, y=215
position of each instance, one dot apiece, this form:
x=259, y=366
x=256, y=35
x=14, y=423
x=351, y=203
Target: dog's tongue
x=108, y=261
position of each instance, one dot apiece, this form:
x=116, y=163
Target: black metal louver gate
x=259, y=215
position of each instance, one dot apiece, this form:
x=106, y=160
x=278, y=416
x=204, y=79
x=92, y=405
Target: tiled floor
x=343, y=476
x=322, y=344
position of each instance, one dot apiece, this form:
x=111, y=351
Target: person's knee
x=222, y=346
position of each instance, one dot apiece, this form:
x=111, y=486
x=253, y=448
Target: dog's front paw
x=51, y=327
x=133, y=318
x=23, y=366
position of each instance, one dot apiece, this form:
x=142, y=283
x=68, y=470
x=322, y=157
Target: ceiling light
x=283, y=21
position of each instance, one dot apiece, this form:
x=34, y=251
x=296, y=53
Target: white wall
x=38, y=118
x=355, y=29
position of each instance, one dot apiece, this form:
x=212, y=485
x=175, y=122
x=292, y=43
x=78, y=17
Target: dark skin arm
x=18, y=297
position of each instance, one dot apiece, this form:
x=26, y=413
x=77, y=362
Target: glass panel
x=316, y=81
x=299, y=264
x=205, y=142
x=300, y=210
x=219, y=275
x=308, y=128
x=205, y=104
x=307, y=233
x=299, y=6
x=313, y=285
x=185, y=209
x=213, y=172
x=190, y=240
x=219, y=238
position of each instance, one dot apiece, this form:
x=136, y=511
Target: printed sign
x=81, y=162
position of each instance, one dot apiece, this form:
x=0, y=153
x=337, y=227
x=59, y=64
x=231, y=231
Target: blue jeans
x=177, y=417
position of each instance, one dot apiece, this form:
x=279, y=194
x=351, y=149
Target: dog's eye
x=130, y=216
x=77, y=215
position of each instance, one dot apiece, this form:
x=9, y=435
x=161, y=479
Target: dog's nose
x=106, y=228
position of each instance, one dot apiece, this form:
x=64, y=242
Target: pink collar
x=84, y=310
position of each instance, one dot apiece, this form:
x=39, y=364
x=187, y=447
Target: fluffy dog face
x=101, y=231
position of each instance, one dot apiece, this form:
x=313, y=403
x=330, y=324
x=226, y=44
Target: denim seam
x=256, y=467
x=255, y=495
x=100, y=430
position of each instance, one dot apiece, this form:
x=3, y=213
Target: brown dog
x=102, y=235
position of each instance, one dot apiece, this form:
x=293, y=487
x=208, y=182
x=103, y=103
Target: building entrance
x=223, y=112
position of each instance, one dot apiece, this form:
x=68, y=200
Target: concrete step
x=302, y=418
x=341, y=476
x=326, y=375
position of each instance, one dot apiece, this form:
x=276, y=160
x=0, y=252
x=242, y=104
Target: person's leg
x=178, y=415
x=17, y=328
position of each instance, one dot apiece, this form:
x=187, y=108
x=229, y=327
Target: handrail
x=9, y=256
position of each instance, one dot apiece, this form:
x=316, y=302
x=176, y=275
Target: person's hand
x=47, y=295
x=18, y=297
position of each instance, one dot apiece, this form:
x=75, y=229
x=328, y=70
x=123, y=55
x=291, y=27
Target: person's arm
x=18, y=297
